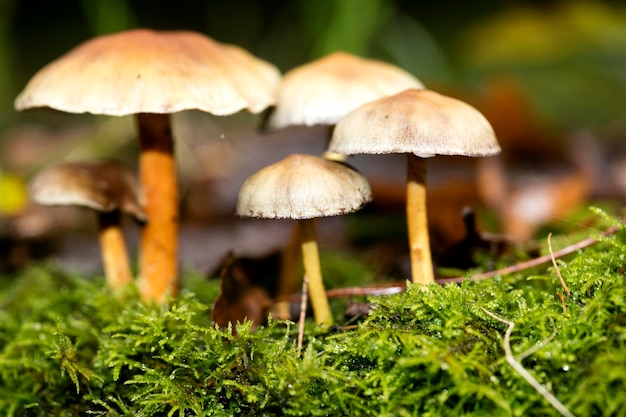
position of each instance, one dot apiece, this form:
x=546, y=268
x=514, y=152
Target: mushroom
x=422, y=124
x=305, y=187
x=110, y=189
x=325, y=90
x=153, y=74
x=321, y=92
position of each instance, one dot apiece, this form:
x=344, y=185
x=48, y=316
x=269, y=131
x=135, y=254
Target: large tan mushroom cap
x=325, y=90
x=144, y=71
x=303, y=187
x=102, y=186
x=421, y=122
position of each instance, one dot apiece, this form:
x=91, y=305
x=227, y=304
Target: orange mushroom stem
x=158, y=260
x=114, y=252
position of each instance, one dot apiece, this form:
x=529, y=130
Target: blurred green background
x=565, y=59
x=542, y=72
x=570, y=56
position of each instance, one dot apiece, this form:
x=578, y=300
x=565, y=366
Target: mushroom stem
x=288, y=280
x=313, y=271
x=158, y=258
x=113, y=247
x=417, y=221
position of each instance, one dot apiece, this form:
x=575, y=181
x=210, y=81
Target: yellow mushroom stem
x=114, y=253
x=417, y=221
x=289, y=272
x=158, y=257
x=313, y=271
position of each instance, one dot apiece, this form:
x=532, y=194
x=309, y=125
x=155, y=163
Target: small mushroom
x=108, y=188
x=153, y=74
x=422, y=124
x=305, y=187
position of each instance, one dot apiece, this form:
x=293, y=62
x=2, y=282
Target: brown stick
x=305, y=286
x=399, y=286
x=417, y=221
x=158, y=259
x=533, y=262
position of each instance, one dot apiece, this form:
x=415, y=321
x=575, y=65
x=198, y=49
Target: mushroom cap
x=146, y=71
x=421, y=122
x=102, y=186
x=303, y=187
x=325, y=90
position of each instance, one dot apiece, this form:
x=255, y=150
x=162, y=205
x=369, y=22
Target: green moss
x=67, y=347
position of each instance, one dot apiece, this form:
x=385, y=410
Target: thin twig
x=391, y=288
x=399, y=286
x=556, y=267
x=303, y=303
x=562, y=298
x=533, y=262
x=510, y=359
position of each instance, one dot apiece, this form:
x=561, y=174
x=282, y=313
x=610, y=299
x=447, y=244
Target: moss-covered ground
x=69, y=347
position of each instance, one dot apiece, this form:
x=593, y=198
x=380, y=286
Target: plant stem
x=313, y=270
x=417, y=221
x=158, y=258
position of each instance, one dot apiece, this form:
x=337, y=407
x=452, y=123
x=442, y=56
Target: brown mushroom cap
x=323, y=91
x=303, y=187
x=421, y=122
x=102, y=186
x=145, y=71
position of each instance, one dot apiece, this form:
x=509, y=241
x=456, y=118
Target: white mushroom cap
x=102, y=186
x=421, y=122
x=303, y=187
x=145, y=71
x=325, y=90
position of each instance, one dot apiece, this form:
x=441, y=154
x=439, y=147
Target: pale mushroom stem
x=313, y=271
x=114, y=254
x=288, y=279
x=158, y=258
x=417, y=221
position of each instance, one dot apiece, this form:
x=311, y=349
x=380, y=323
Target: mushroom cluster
x=370, y=107
x=321, y=92
x=153, y=74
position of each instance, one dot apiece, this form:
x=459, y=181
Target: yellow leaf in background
x=13, y=195
x=524, y=35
